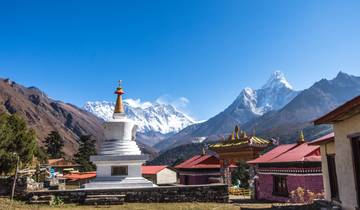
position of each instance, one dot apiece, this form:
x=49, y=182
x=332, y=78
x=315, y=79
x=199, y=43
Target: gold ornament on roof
x=301, y=137
x=237, y=130
x=119, y=107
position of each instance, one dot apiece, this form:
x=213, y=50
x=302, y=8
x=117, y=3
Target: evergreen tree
x=16, y=140
x=241, y=174
x=86, y=149
x=54, y=145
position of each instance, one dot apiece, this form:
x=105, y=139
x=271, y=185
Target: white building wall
x=344, y=161
x=166, y=176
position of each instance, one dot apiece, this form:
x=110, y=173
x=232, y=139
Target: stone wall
x=196, y=193
x=313, y=183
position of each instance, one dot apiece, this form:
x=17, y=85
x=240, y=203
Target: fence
x=246, y=193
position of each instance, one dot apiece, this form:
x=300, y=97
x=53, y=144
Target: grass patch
x=5, y=203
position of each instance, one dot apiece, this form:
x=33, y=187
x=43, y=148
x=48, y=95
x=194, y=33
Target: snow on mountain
x=277, y=80
x=150, y=117
x=274, y=95
x=249, y=105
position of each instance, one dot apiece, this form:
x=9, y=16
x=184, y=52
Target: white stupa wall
x=119, y=160
x=120, y=138
x=104, y=170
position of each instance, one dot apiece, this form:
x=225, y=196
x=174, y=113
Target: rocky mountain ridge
x=250, y=104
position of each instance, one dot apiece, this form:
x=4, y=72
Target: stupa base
x=127, y=182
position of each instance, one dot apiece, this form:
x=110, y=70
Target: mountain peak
x=277, y=79
x=342, y=74
x=150, y=117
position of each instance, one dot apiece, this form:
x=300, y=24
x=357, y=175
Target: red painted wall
x=265, y=186
x=194, y=180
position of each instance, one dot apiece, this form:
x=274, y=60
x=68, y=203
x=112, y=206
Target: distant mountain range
x=275, y=110
x=44, y=115
x=309, y=104
x=250, y=104
x=155, y=121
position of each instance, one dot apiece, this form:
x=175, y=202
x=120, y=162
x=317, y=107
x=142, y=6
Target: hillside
x=44, y=115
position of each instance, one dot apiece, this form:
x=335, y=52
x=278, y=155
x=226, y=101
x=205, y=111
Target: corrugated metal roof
x=277, y=151
x=201, y=162
x=290, y=153
x=80, y=175
x=298, y=154
x=152, y=169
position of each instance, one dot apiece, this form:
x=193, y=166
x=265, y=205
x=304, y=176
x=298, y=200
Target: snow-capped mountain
x=150, y=117
x=250, y=104
x=274, y=95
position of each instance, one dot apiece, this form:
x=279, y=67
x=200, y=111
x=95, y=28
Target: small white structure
x=160, y=175
x=118, y=164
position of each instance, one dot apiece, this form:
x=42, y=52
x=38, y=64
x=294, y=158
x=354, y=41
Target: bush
x=300, y=195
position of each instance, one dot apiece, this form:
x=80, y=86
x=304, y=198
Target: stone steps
x=104, y=199
x=46, y=199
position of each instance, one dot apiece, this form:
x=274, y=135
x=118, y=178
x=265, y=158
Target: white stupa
x=118, y=164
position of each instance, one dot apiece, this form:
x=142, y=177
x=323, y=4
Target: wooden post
x=16, y=173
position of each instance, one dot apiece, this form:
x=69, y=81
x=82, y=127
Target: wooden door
x=333, y=177
x=355, y=143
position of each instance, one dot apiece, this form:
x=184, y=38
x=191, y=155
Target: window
x=334, y=190
x=119, y=170
x=280, y=186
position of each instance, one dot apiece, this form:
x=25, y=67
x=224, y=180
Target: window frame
x=283, y=190
x=119, y=174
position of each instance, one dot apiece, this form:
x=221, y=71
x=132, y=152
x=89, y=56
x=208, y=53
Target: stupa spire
x=119, y=107
x=301, y=137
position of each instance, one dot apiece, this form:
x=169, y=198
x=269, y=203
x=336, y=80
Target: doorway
x=355, y=144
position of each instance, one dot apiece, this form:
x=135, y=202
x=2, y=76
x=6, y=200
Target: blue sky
x=205, y=51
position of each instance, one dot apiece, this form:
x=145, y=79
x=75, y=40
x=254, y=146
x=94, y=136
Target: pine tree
x=86, y=149
x=241, y=173
x=54, y=145
x=16, y=140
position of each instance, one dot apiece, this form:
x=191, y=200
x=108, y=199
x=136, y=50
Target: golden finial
x=119, y=108
x=301, y=137
x=237, y=130
x=245, y=136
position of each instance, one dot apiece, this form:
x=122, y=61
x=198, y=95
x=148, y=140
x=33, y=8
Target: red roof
x=324, y=139
x=80, y=175
x=201, y=162
x=152, y=169
x=277, y=151
x=290, y=153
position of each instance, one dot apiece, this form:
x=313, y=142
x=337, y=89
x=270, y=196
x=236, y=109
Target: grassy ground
x=5, y=204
